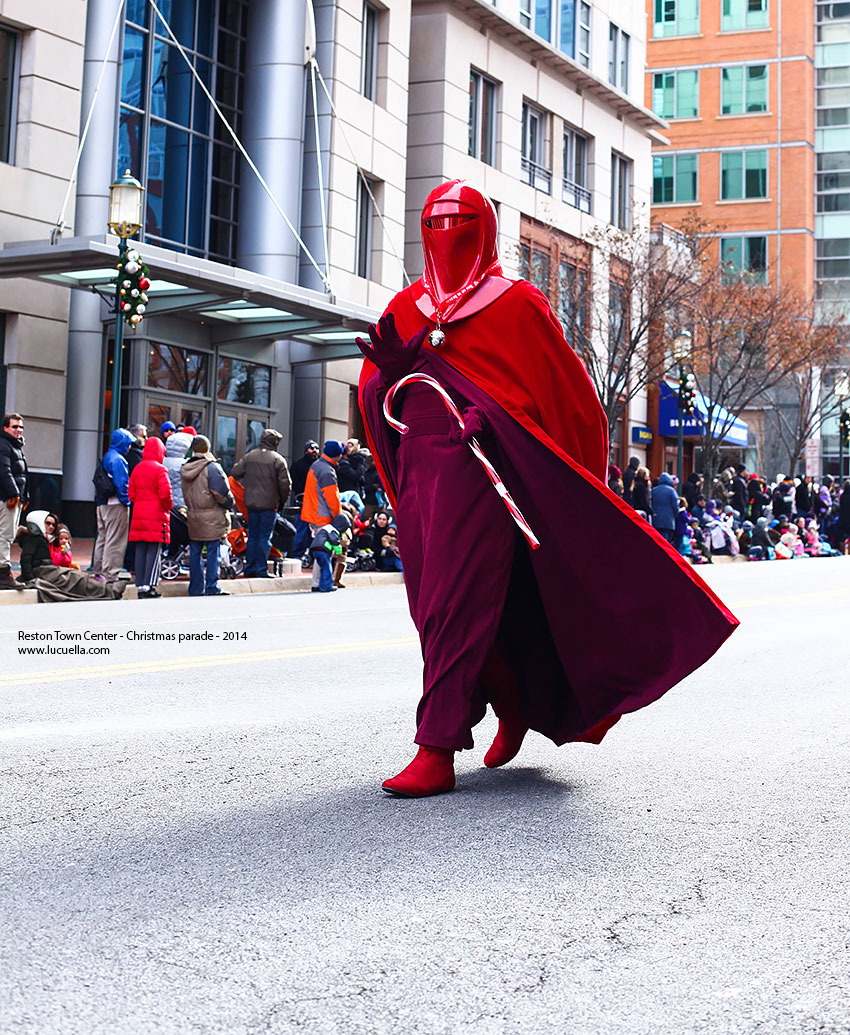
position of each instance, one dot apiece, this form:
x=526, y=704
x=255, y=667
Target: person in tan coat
x=208, y=501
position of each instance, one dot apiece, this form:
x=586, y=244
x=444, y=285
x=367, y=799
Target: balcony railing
x=536, y=176
x=576, y=195
x=669, y=237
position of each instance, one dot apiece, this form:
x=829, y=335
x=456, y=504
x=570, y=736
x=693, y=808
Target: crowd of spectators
x=743, y=514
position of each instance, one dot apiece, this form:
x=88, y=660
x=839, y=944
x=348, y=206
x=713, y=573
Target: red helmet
x=459, y=231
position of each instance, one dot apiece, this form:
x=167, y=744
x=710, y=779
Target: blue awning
x=737, y=431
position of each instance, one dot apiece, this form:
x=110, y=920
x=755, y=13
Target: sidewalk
x=292, y=581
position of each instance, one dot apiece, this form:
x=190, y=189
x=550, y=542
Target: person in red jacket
x=150, y=494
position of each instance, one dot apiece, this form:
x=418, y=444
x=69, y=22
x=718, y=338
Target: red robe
x=606, y=616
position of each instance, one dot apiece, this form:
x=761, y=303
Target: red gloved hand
x=12, y=502
x=393, y=356
x=475, y=421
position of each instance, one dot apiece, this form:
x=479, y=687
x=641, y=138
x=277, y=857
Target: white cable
x=241, y=148
x=363, y=176
x=313, y=67
x=59, y=225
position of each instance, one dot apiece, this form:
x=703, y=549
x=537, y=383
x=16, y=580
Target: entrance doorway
x=161, y=410
x=236, y=433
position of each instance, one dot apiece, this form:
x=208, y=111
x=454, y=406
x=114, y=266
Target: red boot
x=506, y=743
x=432, y=771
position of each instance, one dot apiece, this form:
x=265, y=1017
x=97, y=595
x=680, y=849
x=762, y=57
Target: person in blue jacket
x=665, y=508
x=113, y=508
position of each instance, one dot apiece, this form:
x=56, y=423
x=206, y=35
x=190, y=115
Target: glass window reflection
x=177, y=370
x=243, y=382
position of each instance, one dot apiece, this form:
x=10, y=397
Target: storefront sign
x=813, y=457
x=642, y=436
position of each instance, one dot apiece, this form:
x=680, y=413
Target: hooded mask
x=459, y=231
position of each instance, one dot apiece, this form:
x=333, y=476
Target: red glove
x=393, y=356
x=12, y=502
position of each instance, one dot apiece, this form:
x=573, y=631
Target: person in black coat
x=641, y=492
x=298, y=475
x=803, y=497
x=739, y=500
x=351, y=468
x=629, y=478
x=13, y=491
x=136, y=451
x=842, y=527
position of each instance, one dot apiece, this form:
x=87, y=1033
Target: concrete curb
x=236, y=587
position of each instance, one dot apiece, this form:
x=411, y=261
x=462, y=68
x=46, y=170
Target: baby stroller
x=282, y=534
x=175, y=560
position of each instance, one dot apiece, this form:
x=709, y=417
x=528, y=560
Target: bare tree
x=749, y=339
x=799, y=406
x=654, y=277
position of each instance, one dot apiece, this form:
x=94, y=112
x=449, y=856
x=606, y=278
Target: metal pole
x=681, y=442
x=841, y=420
x=115, y=408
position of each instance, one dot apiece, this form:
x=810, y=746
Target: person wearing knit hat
x=187, y=429
x=264, y=476
x=167, y=429
x=208, y=500
x=321, y=493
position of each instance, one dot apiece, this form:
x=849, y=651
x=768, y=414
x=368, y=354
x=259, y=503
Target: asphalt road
x=194, y=840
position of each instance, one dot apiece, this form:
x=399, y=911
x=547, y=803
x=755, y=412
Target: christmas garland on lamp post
x=133, y=283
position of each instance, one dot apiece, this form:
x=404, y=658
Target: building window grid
x=674, y=179
x=575, y=191
x=482, y=117
x=745, y=256
x=621, y=191
x=743, y=89
x=832, y=268
x=369, y=52
x=365, y=219
x=736, y=15
x=833, y=181
x=675, y=95
x=563, y=23
x=554, y=270
x=9, y=48
x=534, y=171
x=743, y=175
x=832, y=103
x=828, y=19
x=619, y=46
x=216, y=213
x=676, y=18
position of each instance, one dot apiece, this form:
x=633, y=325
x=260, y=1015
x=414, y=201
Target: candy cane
x=492, y=474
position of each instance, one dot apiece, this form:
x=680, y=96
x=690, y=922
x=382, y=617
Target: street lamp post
x=842, y=390
x=125, y=220
x=681, y=353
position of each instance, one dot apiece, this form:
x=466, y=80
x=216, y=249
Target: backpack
x=104, y=486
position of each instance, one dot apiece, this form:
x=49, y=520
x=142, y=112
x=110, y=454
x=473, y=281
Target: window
x=675, y=95
x=563, y=23
x=833, y=268
x=574, y=304
x=743, y=14
x=621, y=191
x=743, y=174
x=745, y=256
x=173, y=369
x=676, y=17
x=169, y=138
x=3, y=374
x=365, y=217
x=674, y=179
x=828, y=14
x=534, y=170
x=743, y=88
x=618, y=316
x=543, y=19
x=575, y=190
x=619, y=45
x=369, y=53
x=833, y=181
x=8, y=54
x=833, y=92
x=584, y=14
x=559, y=265
x=243, y=382
x=482, y=117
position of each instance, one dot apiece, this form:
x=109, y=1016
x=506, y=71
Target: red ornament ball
x=144, y=283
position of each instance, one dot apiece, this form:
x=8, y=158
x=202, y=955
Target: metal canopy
x=237, y=304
